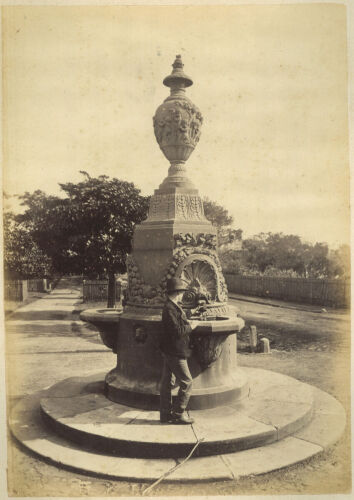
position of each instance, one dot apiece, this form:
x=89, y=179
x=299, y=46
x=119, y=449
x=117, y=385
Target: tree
x=47, y=219
x=278, y=254
x=216, y=214
x=316, y=261
x=256, y=256
x=339, y=261
x=90, y=230
x=232, y=261
x=286, y=251
x=22, y=256
x=220, y=218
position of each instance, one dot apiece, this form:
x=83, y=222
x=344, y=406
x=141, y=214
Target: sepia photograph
x=176, y=250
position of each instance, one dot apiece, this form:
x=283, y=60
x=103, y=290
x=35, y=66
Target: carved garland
x=141, y=293
x=200, y=240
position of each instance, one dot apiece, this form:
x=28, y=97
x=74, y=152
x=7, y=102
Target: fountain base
x=281, y=422
x=147, y=396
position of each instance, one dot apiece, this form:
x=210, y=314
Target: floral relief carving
x=177, y=122
x=201, y=239
x=189, y=207
x=138, y=291
x=161, y=207
x=206, y=278
x=218, y=310
x=208, y=348
x=181, y=206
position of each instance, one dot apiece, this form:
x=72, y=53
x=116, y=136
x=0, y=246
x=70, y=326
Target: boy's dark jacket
x=175, y=331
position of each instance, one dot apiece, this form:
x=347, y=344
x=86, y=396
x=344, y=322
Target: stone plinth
x=258, y=420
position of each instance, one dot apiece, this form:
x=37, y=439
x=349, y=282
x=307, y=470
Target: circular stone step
x=275, y=407
x=27, y=427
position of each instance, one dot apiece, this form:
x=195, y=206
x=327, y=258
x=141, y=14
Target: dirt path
x=294, y=329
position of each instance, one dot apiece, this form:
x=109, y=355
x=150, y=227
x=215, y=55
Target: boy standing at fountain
x=176, y=330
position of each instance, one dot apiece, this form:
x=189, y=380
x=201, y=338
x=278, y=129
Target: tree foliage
x=89, y=230
x=23, y=259
x=278, y=254
x=217, y=214
x=340, y=261
x=46, y=219
x=222, y=220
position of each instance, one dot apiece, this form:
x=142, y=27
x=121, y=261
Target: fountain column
x=175, y=240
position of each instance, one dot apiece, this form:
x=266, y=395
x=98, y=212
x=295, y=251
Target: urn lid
x=177, y=76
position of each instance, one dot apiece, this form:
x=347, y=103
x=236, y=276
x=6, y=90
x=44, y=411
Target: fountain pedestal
x=135, y=379
x=176, y=240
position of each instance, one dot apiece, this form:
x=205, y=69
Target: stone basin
x=218, y=325
x=134, y=334
x=101, y=315
x=107, y=323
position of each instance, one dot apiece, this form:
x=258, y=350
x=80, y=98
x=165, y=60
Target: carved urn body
x=177, y=122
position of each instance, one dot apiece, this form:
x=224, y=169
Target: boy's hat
x=176, y=285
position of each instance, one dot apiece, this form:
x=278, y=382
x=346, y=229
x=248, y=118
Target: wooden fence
x=97, y=290
x=325, y=292
x=16, y=290
x=38, y=285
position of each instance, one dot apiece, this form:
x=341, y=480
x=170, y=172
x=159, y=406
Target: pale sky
x=82, y=84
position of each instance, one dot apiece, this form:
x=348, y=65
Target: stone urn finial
x=178, y=77
x=177, y=122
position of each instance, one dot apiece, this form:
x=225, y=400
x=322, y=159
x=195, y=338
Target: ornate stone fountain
x=175, y=240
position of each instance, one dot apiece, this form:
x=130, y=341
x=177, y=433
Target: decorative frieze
x=184, y=207
x=189, y=207
x=162, y=207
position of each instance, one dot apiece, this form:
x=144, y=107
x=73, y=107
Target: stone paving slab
x=325, y=403
x=277, y=384
x=76, y=405
x=73, y=386
x=275, y=456
x=237, y=431
x=286, y=417
x=197, y=469
x=328, y=423
x=301, y=393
